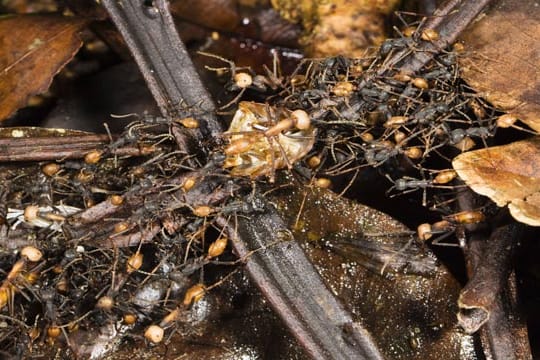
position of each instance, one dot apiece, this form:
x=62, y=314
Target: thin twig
x=449, y=20
x=56, y=148
x=151, y=36
x=293, y=287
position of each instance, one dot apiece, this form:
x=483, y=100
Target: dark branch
x=151, y=36
x=293, y=287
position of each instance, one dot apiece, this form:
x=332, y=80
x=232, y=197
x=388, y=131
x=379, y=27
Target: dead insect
x=263, y=139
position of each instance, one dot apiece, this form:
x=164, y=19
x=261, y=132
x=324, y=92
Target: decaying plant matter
x=115, y=232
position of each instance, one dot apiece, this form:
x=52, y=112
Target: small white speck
x=17, y=133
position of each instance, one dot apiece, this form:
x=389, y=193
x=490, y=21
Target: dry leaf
x=220, y=15
x=33, y=48
x=508, y=174
x=413, y=301
x=503, y=61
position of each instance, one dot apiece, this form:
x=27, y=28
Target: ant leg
x=438, y=240
x=234, y=100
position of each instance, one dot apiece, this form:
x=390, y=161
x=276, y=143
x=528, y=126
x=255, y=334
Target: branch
x=293, y=287
x=151, y=36
x=449, y=20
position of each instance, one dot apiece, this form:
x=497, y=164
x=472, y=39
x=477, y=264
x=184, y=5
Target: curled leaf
x=508, y=174
x=33, y=54
x=503, y=60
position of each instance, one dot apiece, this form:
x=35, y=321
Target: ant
x=448, y=225
x=509, y=120
x=378, y=152
x=243, y=78
x=407, y=184
x=457, y=135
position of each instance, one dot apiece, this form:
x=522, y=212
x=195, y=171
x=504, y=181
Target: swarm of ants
x=123, y=241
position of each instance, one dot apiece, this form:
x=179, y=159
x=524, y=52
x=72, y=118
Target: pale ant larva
x=263, y=138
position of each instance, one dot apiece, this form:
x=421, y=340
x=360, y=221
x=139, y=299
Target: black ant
x=243, y=78
x=407, y=184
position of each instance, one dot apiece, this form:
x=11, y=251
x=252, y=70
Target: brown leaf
x=216, y=14
x=504, y=59
x=33, y=48
x=385, y=277
x=508, y=174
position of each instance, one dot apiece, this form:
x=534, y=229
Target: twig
x=294, y=289
x=56, y=148
x=449, y=21
x=488, y=302
x=490, y=265
x=151, y=36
